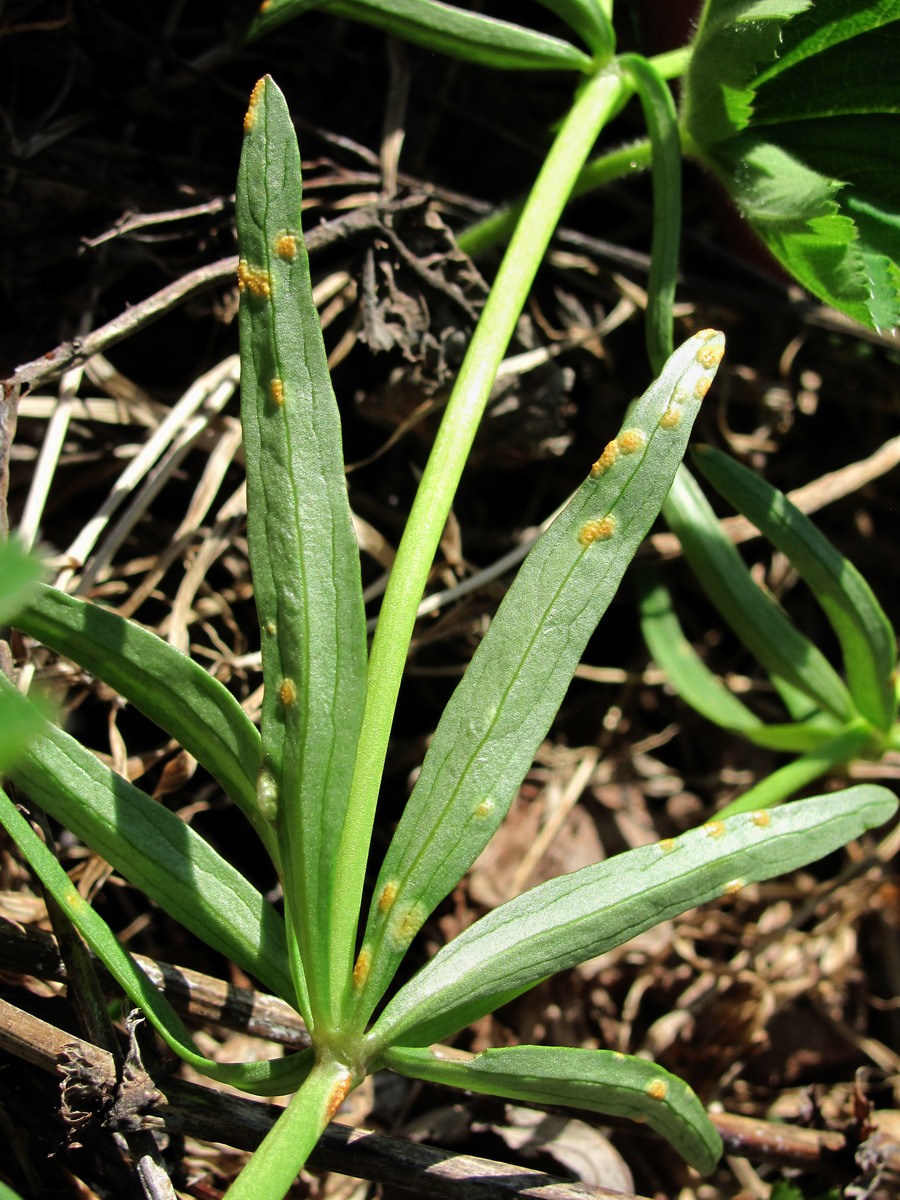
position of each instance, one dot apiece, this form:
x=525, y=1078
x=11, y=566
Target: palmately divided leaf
x=575, y=917
x=805, y=136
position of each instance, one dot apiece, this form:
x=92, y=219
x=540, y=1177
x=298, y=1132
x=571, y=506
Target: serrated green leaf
x=734, y=39
x=500, y=713
x=579, y=916
x=272, y=1078
x=156, y=851
x=757, y=619
x=165, y=685
x=807, y=143
x=602, y=1081
x=303, y=549
x=826, y=24
x=444, y=28
x=868, y=641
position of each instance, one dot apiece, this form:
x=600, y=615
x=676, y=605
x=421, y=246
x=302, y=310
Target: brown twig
x=198, y=997
x=238, y=1121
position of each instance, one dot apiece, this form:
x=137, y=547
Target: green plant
x=830, y=721
x=18, y=578
x=308, y=780
x=791, y=104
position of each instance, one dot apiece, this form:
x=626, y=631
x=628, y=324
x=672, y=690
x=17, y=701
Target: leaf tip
x=255, y=96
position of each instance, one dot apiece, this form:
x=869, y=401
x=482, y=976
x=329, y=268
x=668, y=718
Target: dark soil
x=121, y=134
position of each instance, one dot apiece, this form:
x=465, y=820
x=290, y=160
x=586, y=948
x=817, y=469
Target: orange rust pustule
x=606, y=459
x=286, y=247
x=339, y=1094
x=255, y=96
x=597, y=531
x=253, y=280
x=631, y=440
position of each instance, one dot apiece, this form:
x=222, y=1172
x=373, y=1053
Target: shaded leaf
x=602, y=1081
x=303, y=549
x=576, y=917
x=498, y=716
x=457, y=32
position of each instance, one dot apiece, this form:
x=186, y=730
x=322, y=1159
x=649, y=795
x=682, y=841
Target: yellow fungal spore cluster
x=657, y=1089
x=276, y=392
x=254, y=280
x=255, y=96
x=597, y=531
x=606, y=459
x=387, y=897
x=287, y=692
x=362, y=968
x=286, y=247
x=339, y=1094
x=404, y=926
x=707, y=357
x=627, y=442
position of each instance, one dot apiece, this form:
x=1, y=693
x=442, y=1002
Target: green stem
x=284, y=1150
x=600, y=97
x=849, y=744
x=495, y=229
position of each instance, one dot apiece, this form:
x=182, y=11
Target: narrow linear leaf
x=699, y=687
x=579, y=916
x=761, y=623
x=588, y=19
x=19, y=723
x=156, y=851
x=662, y=125
x=502, y=709
x=303, y=550
x=272, y=1078
x=442, y=27
x=602, y=1081
x=828, y=755
x=169, y=688
x=867, y=638
x=19, y=574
